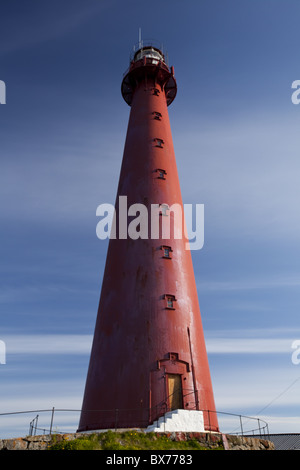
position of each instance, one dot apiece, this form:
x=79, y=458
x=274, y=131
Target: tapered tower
x=148, y=354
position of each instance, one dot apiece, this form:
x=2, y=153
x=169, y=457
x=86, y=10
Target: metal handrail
x=163, y=407
x=144, y=43
x=262, y=426
x=133, y=65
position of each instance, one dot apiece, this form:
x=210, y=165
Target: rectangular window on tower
x=157, y=115
x=159, y=143
x=170, y=299
x=161, y=174
x=167, y=250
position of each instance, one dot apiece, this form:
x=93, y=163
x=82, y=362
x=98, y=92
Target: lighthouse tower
x=148, y=356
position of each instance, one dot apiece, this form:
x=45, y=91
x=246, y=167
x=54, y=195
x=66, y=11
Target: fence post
x=30, y=428
x=241, y=425
x=33, y=426
x=51, y=424
x=36, y=423
x=259, y=426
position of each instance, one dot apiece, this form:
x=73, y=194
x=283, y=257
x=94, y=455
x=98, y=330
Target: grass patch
x=128, y=440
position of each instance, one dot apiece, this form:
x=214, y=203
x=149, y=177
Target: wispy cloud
x=272, y=282
x=276, y=341
x=245, y=170
x=42, y=291
x=249, y=346
x=65, y=186
x=35, y=398
x=252, y=341
x=47, y=344
x=44, y=24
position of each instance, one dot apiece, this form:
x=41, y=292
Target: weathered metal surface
x=139, y=337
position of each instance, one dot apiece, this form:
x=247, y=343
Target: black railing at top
x=145, y=43
x=146, y=61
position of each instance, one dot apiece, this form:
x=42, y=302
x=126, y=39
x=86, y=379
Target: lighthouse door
x=174, y=391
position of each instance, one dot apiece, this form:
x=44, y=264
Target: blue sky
x=235, y=132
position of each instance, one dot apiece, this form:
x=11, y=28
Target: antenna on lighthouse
x=140, y=38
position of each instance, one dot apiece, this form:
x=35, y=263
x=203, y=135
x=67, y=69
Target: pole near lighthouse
x=148, y=355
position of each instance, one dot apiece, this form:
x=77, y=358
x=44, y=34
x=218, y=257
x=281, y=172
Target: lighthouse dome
x=149, y=52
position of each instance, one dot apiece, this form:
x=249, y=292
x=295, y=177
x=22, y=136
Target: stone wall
x=209, y=440
x=248, y=443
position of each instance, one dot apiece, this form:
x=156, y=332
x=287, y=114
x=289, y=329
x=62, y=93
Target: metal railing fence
x=237, y=424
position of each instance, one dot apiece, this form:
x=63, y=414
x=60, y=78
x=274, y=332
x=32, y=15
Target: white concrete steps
x=179, y=421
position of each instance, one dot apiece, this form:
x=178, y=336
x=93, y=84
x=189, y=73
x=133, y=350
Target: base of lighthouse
x=172, y=421
x=179, y=421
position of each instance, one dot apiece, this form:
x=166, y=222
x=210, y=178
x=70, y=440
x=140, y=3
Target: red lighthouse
x=148, y=355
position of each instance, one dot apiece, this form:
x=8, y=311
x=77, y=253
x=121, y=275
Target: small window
x=159, y=143
x=157, y=115
x=167, y=250
x=161, y=173
x=170, y=299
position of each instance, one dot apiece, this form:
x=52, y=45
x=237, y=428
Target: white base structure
x=179, y=421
